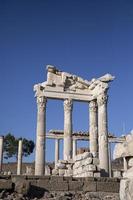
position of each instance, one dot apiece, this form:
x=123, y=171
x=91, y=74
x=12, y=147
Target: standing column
x=56, y=151
x=93, y=130
x=20, y=151
x=125, y=165
x=103, y=134
x=1, y=151
x=40, y=136
x=74, y=148
x=67, y=129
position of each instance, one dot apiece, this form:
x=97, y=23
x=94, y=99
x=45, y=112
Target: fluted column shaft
x=56, y=150
x=74, y=148
x=67, y=129
x=20, y=152
x=93, y=130
x=40, y=136
x=103, y=134
x=1, y=152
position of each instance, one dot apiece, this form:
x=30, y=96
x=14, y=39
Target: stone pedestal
x=110, y=164
x=1, y=151
x=103, y=134
x=74, y=148
x=93, y=131
x=67, y=129
x=56, y=151
x=40, y=136
x=20, y=152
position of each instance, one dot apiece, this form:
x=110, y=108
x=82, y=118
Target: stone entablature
x=62, y=85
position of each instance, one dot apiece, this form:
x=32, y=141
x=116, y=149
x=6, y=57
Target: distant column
x=103, y=133
x=20, y=151
x=1, y=152
x=67, y=129
x=125, y=164
x=40, y=136
x=93, y=130
x=74, y=148
x=57, y=141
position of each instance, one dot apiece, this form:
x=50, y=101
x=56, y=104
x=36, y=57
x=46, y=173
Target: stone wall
x=38, y=187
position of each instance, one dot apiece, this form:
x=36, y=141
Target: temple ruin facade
x=70, y=88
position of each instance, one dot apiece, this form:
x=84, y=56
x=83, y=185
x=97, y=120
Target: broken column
x=20, y=152
x=40, y=136
x=74, y=148
x=103, y=134
x=1, y=151
x=67, y=129
x=56, y=150
x=93, y=130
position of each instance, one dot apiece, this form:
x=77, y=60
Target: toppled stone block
x=90, y=168
x=95, y=161
x=86, y=155
x=97, y=174
x=117, y=174
x=87, y=174
x=78, y=157
x=61, y=165
x=55, y=172
x=88, y=161
x=68, y=172
x=61, y=172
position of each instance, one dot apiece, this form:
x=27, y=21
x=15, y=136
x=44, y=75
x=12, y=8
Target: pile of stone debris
x=83, y=165
x=8, y=195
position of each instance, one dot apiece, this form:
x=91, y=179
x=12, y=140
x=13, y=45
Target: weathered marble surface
x=84, y=166
x=126, y=185
x=124, y=149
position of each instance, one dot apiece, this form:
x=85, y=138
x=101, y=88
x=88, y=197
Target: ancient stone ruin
x=83, y=175
x=70, y=88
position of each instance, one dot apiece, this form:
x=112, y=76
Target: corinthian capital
x=68, y=105
x=102, y=99
x=93, y=106
x=41, y=102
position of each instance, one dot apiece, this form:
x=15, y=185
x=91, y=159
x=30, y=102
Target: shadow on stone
x=36, y=191
x=104, y=173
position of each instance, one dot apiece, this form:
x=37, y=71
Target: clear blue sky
x=84, y=37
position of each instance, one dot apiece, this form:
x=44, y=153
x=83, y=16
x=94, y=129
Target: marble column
x=1, y=152
x=125, y=165
x=20, y=152
x=67, y=129
x=74, y=148
x=93, y=130
x=57, y=141
x=40, y=136
x=103, y=134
